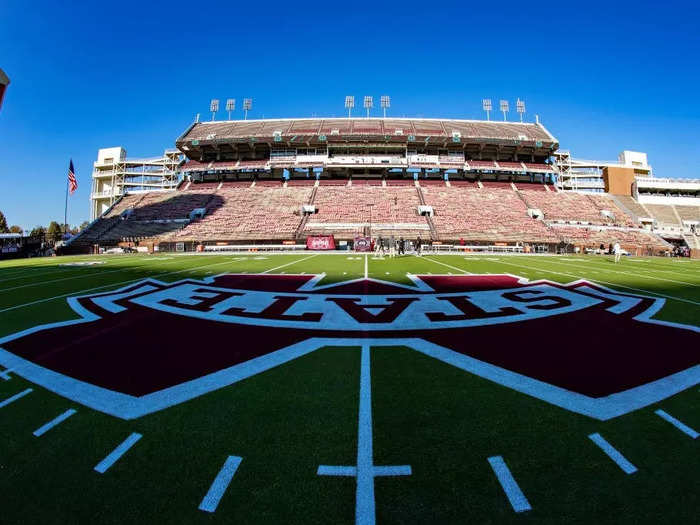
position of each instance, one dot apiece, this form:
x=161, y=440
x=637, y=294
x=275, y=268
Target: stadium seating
x=565, y=206
x=689, y=213
x=265, y=211
x=488, y=214
x=664, y=214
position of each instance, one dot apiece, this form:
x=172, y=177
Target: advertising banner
x=320, y=242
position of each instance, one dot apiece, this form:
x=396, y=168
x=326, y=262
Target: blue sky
x=609, y=77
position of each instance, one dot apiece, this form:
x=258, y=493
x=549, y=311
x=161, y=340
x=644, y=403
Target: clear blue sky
x=603, y=78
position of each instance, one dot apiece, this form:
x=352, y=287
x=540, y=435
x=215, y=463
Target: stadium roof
x=401, y=130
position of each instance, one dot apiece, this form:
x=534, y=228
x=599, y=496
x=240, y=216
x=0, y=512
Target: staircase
x=428, y=219
x=298, y=234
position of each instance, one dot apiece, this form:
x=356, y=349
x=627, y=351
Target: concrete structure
x=114, y=175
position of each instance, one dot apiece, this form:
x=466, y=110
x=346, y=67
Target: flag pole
x=65, y=211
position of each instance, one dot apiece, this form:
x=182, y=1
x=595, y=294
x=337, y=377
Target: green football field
x=250, y=452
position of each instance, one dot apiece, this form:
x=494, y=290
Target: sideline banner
x=362, y=244
x=320, y=242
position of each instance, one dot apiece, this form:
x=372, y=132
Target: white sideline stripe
x=613, y=454
x=117, y=453
x=515, y=496
x=538, y=269
x=366, y=266
x=14, y=398
x=56, y=421
x=678, y=424
x=79, y=292
x=448, y=265
x=220, y=484
x=290, y=263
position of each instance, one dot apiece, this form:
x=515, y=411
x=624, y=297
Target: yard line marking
x=679, y=425
x=14, y=398
x=538, y=269
x=365, y=266
x=515, y=496
x=290, y=263
x=448, y=266
x=117, y=453
x=220, y=484
x=40, y=283
x=627, y=273
x=613, y=454
x=365, y=471
x=79, y=292
x=56, y=421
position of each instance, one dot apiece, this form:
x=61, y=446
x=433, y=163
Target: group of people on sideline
x=391, y=246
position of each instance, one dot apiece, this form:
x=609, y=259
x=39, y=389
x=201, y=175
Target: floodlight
x=486, y=104
x=520, y=107
x=247, y=104
x=349, y=103
x=214, y=107
x=230, y=106
x=368, y=103
x=505, y=107
x=385, y=102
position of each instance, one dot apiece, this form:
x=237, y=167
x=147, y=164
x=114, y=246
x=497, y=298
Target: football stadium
x=433, y=264
x=373, y=319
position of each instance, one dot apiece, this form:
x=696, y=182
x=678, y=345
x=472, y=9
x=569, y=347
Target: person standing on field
x=617, y=251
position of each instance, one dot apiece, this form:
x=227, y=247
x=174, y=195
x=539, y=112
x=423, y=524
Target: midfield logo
x=152, y=345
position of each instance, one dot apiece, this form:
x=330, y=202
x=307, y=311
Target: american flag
x=72, y=181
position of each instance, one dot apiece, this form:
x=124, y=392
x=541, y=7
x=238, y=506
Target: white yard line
x=79, y=292
x=603, y=282
x=365, y=266
x=447, y=265
x=290, y=263
x=623, y=272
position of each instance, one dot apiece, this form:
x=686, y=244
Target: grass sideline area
x=287, y=421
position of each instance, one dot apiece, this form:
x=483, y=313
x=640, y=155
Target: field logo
x=152, y=345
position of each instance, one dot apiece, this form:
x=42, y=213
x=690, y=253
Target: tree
x=3, y=224
x=84, y=225
x=54, y=232
x=38, y=231
x=15, y=229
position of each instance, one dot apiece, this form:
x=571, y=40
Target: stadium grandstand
x=450, y=182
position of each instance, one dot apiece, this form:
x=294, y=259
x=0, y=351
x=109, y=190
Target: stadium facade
x=453, y=183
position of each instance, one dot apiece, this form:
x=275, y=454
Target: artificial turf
x=287, y=421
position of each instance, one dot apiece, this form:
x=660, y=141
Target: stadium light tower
x=520, y=108
x=349, y=103
x=386, y=103
x=230, y=106
x=247, y=104
x=486, y=104
x=369, y=103
x=214, y=107
x=505, y=107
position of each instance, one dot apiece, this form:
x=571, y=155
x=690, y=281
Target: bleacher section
x=271, y=211
x=633, y=206
x=345, y=210
x=689, y=213
x=663, y=214
x=266, y=211
x=483, y=214
x=573, y=207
